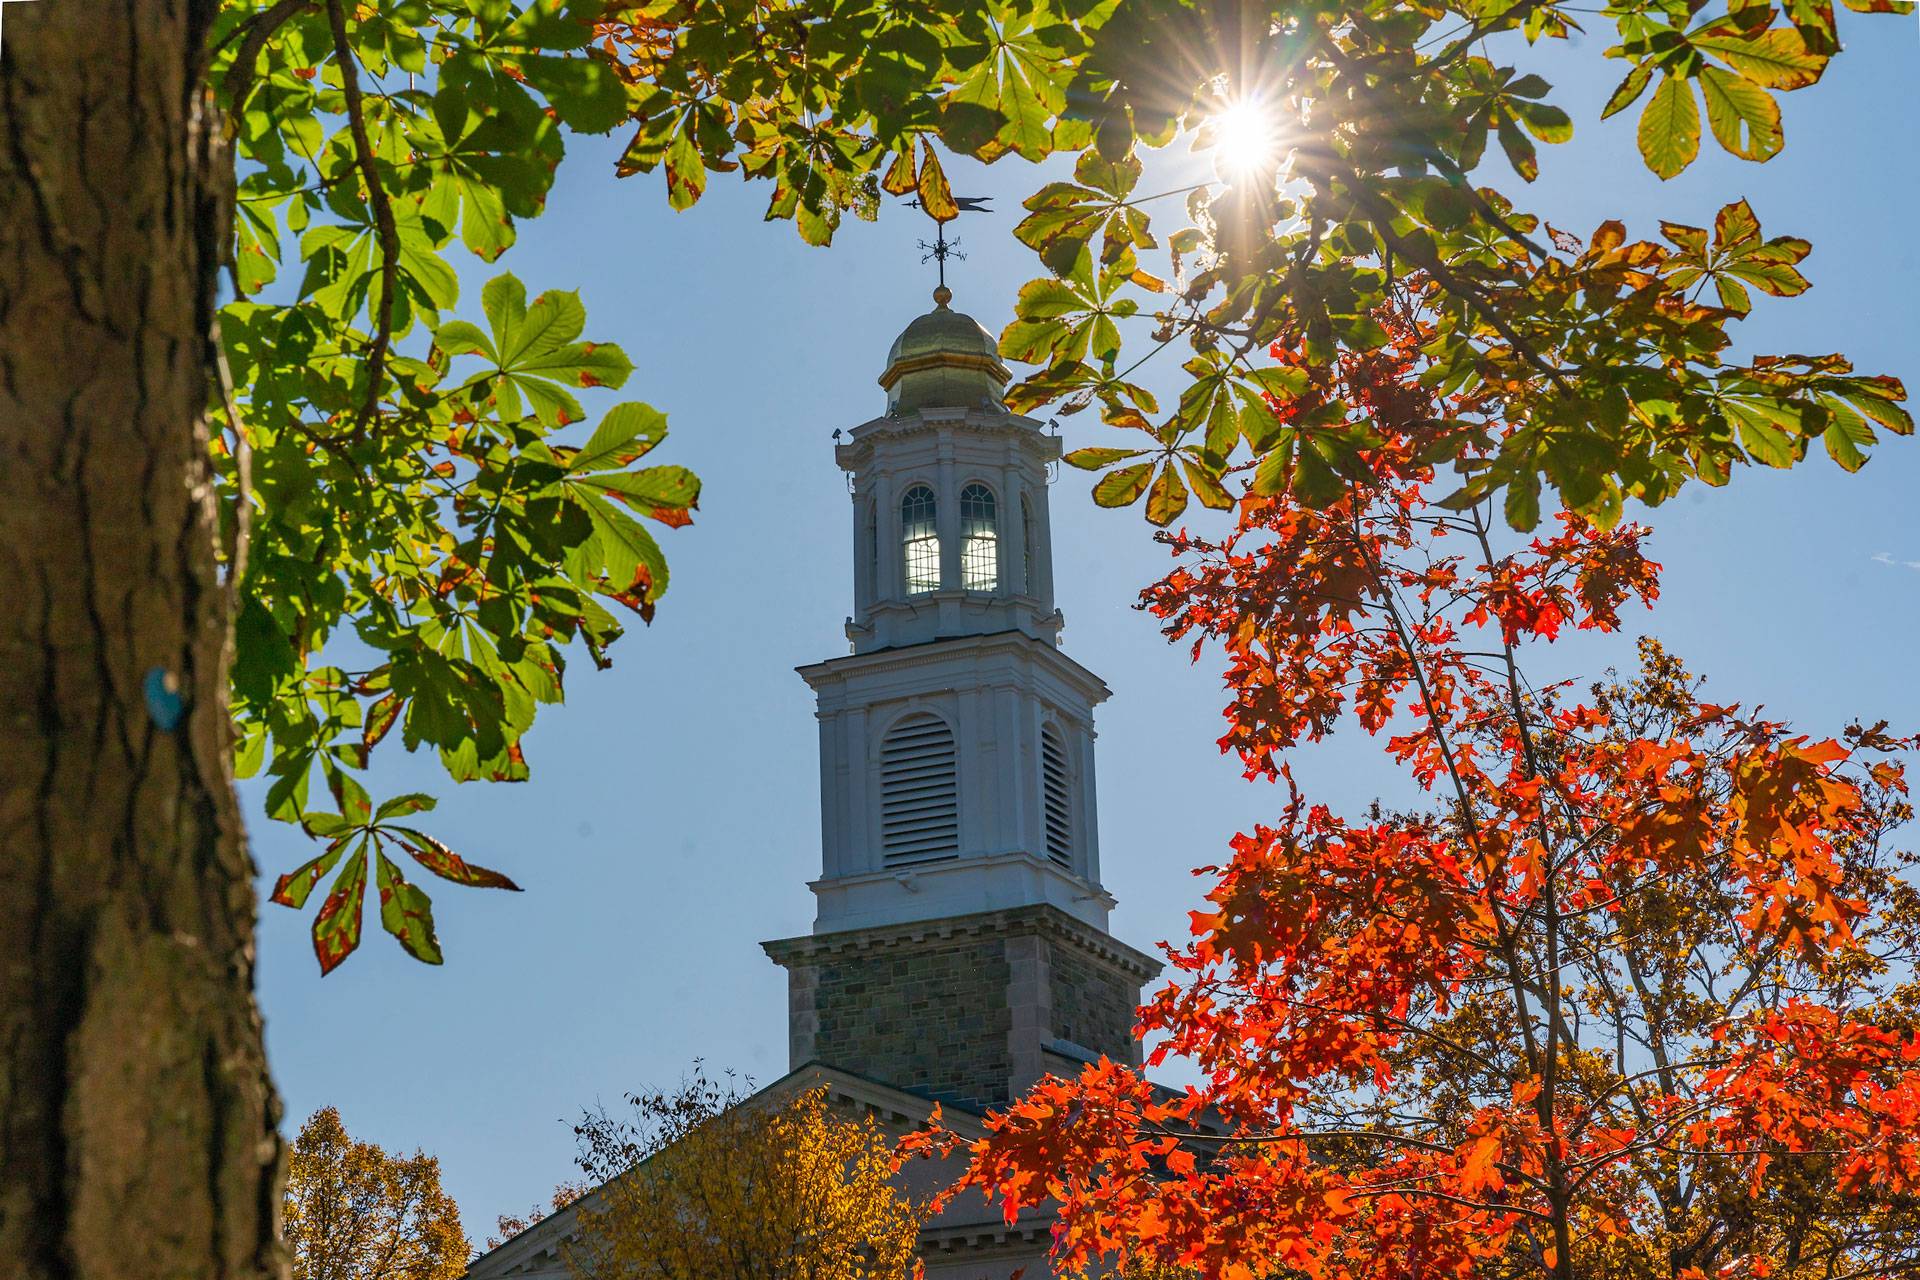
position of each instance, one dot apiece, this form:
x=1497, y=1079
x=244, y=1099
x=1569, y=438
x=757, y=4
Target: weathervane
x=942, y=248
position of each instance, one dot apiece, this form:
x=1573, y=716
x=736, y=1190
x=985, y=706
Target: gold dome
x=944, y=359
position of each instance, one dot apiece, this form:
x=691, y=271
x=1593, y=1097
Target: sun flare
x=1246, y=137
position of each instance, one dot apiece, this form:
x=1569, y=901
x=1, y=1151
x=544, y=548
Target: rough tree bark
x=136, y=1115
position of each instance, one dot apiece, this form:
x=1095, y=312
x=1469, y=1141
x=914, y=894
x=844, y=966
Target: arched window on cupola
x=979, y=539
x=920, y=539
x=1056, y=796
x=919, y=792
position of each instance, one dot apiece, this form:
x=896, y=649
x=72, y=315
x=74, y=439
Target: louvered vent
x=919, y=793
x=1057, y=797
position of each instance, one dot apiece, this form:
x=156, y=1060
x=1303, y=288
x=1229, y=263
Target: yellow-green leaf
x=1745, y=118
x=1629, y=90
x=935, y=196
x=1670, y=128
x=1207, y=487
x=1169, y=497
x=1123, y=488
x=900, y=176
x=1777, y=58
x=1845, y=437
x=1094, y=459
x=686, y=174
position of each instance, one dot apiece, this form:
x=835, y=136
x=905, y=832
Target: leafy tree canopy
x=1600, y=370
x=703, y=1183
x=417, y=548
x=353, y=1212
x=395, y=476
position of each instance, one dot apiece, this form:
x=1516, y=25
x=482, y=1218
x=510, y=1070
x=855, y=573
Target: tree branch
x=389, y=234
x=243, y=475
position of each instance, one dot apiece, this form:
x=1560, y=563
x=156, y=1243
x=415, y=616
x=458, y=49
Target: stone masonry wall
x=933, y=1018
x=1093, y=1004
x=965, y=1009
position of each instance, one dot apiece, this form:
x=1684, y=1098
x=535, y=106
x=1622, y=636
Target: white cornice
x=863, y=440
x=1034, y=1227
x=1014, y=643
x=935, y=871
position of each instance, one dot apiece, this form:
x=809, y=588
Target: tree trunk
x=136, y=1116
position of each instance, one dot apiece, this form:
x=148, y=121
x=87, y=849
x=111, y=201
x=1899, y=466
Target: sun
x=1245, y=137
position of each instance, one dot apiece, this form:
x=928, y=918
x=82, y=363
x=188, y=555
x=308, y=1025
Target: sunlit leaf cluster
x=424, y=521
x=401, y=469
x=1615, y=373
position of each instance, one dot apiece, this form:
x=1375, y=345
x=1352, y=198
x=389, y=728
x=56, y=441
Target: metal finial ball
x=942, y=296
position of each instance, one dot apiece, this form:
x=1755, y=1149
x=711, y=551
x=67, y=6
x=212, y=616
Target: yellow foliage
x=353, y=1212
x=707, y=1189
x=510, y=1225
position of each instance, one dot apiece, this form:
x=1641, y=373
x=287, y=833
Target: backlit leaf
x=292, y=889
x=625, y=434
x=1168, y=497
x=1669, y=132
x=1207, y=487
x=936, y=197
x=336, y=928
x=1777, y=58
x=1094, y=459
x=406, y=913
x=686, y=172
x=1629, y=90
x=401, y=806
x=1745, y=118
x=1124, y=486
x=448, y=865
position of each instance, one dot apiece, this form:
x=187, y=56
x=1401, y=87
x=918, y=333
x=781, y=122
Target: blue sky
x=673, y=817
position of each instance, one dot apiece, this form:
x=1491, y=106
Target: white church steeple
x=949, y=497
x=960, y=947
x=956, y=741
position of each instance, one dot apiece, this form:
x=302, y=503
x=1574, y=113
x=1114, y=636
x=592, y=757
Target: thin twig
x=1452, y=53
